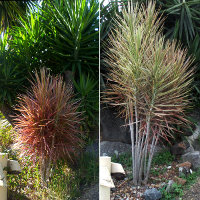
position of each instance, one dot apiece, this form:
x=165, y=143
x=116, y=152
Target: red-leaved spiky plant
x=48, y=125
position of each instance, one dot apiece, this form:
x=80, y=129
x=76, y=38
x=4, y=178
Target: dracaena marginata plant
x=48, y=126
x=149, y=80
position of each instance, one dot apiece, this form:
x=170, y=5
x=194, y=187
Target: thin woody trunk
x=8, y=112
x=141, y=156
x=46, y=165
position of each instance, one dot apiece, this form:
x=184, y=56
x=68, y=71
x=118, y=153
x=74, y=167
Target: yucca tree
x=11, y=11
x=149, y=80
x=182, y=19
x=75, y=34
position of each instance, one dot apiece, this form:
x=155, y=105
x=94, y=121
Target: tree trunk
x=8, y=112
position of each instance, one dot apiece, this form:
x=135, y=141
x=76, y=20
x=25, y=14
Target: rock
x=194, y=137
x=179, y=148
x=196, y=145
x=152, y=194
x=116, y=153
x=179, y=181
x=113, y=128
x=116, y=148
x=181, y=172
x=193, y=158
x=13, y=167
x=169, y=186
x=158, y=149
x=185, y=165
x=109, y=148
x=189, y=149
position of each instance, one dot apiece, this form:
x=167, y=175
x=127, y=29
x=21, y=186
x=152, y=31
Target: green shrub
x=164, y=157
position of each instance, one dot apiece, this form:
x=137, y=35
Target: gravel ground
x=193, y=193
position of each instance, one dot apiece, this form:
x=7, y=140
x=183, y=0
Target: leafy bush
x=48, y=126
x=164, y=157
x=124, y=159
x=87, y=91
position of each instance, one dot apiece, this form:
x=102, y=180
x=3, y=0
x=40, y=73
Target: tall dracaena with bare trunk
x=48, y=124
x=149, y=80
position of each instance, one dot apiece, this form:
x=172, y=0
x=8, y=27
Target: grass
x=64, y=183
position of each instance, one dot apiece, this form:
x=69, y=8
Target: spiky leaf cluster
x=147, y=74
x=48, y=125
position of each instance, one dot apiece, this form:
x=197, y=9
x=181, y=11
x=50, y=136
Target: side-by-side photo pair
x=100, y=100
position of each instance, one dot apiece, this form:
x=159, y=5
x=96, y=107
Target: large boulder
x=116, y=148
x=196, y=144
x=194, y=138
x=193, y=158
x=113, y=127
x=112, y=148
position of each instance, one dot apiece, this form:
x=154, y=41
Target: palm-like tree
x=75, y=34
x=10, y=11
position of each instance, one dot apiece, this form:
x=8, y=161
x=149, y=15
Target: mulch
x=125, y=190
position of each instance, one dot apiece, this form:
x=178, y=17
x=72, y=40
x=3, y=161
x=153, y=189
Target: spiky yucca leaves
x=149, y=81
x=48, y=124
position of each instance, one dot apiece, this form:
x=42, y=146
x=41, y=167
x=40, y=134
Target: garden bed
x=164, y=169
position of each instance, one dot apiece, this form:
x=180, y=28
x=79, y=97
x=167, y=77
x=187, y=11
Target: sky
x=106, y=2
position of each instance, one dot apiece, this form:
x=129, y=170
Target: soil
x=90, y=193
x=125, y=190
x=193, y=193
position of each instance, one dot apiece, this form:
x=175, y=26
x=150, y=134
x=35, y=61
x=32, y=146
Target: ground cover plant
x=149, y=81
